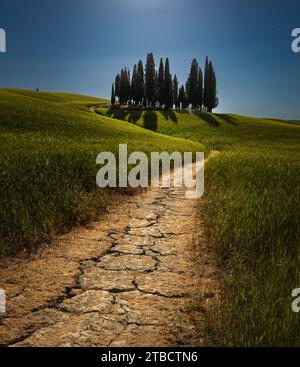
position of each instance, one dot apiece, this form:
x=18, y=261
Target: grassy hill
x=216, y=131
x=49, y=144
x=48, y=150
x=252, y=218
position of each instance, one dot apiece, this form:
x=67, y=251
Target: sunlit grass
x=252, y=212
x=49, y=145
x=252, y=220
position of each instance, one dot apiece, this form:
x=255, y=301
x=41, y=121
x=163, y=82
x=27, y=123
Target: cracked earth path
x=141, y=276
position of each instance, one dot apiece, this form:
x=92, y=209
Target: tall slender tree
x=168, y=86
x=124, y=86
x=161, y=83
x=200, y=89
x=140, y=85
x=150, y=79
x=182, y=97
x=133, y=87
x=206, y=91
x=210, y=99
x=117, y=86
x=193, y=83
x=175, y=91
x=128, y=85
x=156, y=93
x=187, y=92
x=212, y=81
x=113, y=96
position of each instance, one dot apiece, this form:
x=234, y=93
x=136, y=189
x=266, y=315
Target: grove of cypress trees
x=147, y=87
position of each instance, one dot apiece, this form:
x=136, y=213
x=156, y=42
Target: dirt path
x=94, y=108
x=139, y=277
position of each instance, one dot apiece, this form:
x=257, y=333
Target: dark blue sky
x=79, y=46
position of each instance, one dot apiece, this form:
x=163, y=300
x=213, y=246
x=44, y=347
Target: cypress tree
x=140, y=82
x=175, y=91
x=206, y=91
x=156, y=93
x=133, y=87
x=113, y=96
x=161, y=83
x=117, y=86
x=128, y=86
x=200, y=89
x=150, y=81
x=168, y=86
x=187, y=93
x=124, y=86
x=192, y=84
x=212, y=83
x=182, y=97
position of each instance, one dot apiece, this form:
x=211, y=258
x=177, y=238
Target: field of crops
x=252, y=219
x=49, y=145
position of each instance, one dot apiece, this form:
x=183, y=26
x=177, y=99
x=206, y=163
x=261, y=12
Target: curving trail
x=139, y=277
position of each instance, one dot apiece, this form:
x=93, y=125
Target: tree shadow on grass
x=231, y=120
x=124, y=114
x=150, y=120
x=134, y=116
x=207, y=117
x=169, y=114
x=116, y=113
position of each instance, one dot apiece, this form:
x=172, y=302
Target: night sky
x=79, y=46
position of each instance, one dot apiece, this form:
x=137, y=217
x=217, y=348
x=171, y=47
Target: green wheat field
x=251, y=207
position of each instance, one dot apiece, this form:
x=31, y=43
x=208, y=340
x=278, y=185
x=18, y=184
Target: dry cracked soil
x=141, y=276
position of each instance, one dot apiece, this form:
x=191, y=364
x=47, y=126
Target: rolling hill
x=49, y=145
x=251, y=208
